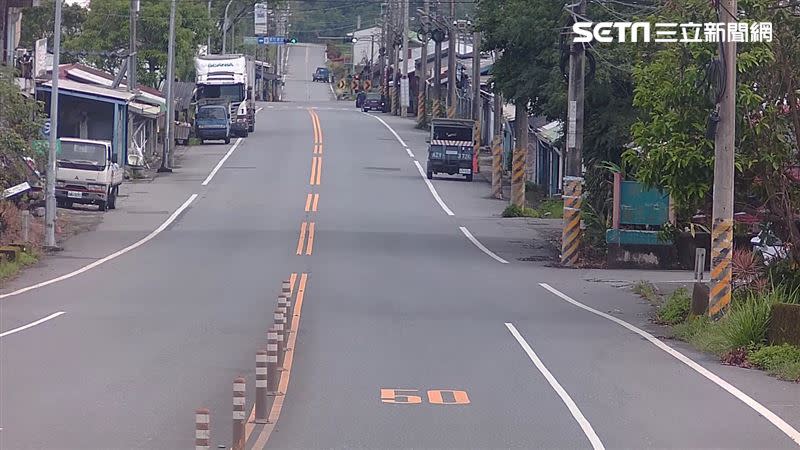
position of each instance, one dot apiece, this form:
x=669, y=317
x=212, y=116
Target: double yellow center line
x=305, y=243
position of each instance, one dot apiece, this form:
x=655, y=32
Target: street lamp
x=225, y=27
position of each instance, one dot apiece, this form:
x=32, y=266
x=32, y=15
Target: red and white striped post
x=261, y=386
x=272, y=362
x=202, y=429
x=238, y=413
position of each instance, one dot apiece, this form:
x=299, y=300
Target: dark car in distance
x=321, y=74
x=372, y=102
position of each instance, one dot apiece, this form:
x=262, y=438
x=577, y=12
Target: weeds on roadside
x=782, y=361
x=647, y=291
x=676, y=308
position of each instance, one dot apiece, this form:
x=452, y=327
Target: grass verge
x=676, y=308
x=10, y=268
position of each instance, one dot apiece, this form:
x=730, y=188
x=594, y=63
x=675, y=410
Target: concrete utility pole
x=437, y=74
x=520, y=154
x=451, y=63
x=382, y=55
x=722, y=224
x=225, y=28
x=404, y=88
x=573, y=179
x=353, y=58
x=134, y=14
x=50, y=187
x=476, y=95
x=422, y=76
x=497, y=148
x=208, y=41
x=169, y=121
x=396, y=64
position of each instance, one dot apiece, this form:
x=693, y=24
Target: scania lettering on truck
x=226, y=77
x=87, y=174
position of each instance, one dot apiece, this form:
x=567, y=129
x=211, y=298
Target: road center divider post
x=238, y=413
x=261, y=387
x=202, y=433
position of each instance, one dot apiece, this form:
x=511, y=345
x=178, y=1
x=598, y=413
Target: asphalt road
x=411, y=335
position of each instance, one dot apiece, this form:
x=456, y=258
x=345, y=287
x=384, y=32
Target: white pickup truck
x=87, y=174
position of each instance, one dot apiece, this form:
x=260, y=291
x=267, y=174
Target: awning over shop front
x=145, y=110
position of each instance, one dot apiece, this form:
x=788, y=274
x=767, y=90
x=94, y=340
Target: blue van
x=213, y=122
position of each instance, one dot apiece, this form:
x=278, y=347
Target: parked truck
x=87, y=173
x=229, y=78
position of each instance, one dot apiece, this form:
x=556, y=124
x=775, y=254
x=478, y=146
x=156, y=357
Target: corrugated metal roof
x=74, y=86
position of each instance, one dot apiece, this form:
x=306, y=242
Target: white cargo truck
x=229, y=78
x=87, y=174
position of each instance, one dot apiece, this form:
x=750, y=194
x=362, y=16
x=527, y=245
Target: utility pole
x=451, y=63
x=573, y=179
x=520, y=153
x=50, y=197
x=404, y=88
x=208, y=42
x=132, y=50
x=476, y=96
x=353, y=58
x=722, y=222
x=382, y=54
x=225, y=27
x=497, y=147
x=396, y=64
x=169, y=121
x=422, y=76
x=438, y=37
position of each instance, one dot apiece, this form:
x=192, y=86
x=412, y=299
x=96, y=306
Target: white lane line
x=573, y=408
x=258, y=110
x=221, y=162
x=431, y=188
x=408, y=150
x=481, y=246
x=32, y=324
x=108, y=258
x=397, y=136
x=781, y=424
x=332, y=91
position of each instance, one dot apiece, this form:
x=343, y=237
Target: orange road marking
x=316, y=200
x=314, y=125
x=292, y=279
x=313, y=170
x=250, y=424
x=310, y=238
x=302, y=239
x=319, y=169
x=308, y=202
x=283, y=384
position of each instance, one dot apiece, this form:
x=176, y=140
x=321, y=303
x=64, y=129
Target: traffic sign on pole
x=342, y=84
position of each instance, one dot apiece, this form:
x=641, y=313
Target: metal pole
x=451, y=64
x=722, y=223
x=170, y=118
x=573, y=180
x=371, y=58
x=382, y=55
x=405, y=100
x=422, y=78
x=132, y=50
x=50, y=198
x=225, y=28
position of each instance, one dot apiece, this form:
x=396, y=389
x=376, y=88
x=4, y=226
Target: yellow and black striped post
x=392, y=103
x=396, y=110
x=721, y=254
x=421, y=119
x=437, y=107
x=518, y=177
x=476, y=151
x=497, y=167
x=451, y=111
x=571, y=231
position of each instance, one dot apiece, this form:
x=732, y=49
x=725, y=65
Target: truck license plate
x=74, y=194
x=451, y=152
x=465, y=171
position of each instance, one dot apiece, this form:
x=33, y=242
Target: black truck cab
x=450, y=147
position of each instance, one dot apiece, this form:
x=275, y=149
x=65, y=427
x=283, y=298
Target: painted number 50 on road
x=435, y=396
